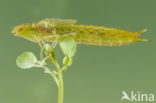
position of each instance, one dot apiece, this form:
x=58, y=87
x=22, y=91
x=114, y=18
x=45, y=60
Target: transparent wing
x=62, y=21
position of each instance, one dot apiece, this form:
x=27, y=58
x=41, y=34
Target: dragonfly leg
x=57, y=37
x=41, y=43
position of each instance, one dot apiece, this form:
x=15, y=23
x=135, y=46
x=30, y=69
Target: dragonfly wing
x=62, y=21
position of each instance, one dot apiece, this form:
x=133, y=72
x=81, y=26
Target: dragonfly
x=52, y=29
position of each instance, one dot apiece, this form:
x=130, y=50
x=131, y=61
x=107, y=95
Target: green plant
x=28, y=60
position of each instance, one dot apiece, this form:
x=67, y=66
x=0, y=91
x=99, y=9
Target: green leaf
x=68, y=46
x=26, y=60
x=67, y=61
x=47, y=46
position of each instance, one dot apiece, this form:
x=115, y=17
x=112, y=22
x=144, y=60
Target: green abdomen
x=99, y=35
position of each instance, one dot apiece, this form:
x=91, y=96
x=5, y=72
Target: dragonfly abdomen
x=104, y=36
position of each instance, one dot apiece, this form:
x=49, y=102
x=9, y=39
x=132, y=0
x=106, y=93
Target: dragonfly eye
x=20, y=28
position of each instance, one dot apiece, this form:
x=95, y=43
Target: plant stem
x=60, y=81
x=47, y=70
x=60, y=88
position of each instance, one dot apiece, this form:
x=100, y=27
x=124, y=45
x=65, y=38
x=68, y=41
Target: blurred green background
x=98, y=74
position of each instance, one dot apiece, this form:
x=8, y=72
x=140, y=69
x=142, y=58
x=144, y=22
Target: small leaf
x=67, y=61
x=68, y=46
x=26, y=60
x=47, y=46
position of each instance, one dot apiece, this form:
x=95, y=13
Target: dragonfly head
x=21, y=29
x=25, y=31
